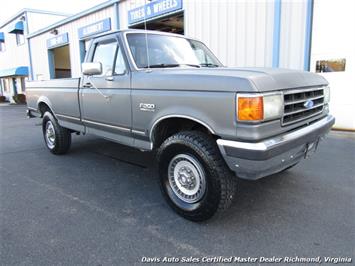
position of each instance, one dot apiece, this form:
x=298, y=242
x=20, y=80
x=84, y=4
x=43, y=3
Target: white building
x=15, y=59
x=298, y=34
x=241, y=33
x=61, y=46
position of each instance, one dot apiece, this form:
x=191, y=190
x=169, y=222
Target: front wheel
x=56, y=137
x=194, y=178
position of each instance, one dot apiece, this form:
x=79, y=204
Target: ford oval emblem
x=308, y=104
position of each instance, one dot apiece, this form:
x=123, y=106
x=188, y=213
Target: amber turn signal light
x=250, y=108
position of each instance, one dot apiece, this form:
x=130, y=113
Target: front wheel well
x=170, y=126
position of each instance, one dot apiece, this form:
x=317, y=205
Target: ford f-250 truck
x=208, y=123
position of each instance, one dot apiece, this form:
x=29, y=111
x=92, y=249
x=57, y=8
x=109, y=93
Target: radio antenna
x=146, y=34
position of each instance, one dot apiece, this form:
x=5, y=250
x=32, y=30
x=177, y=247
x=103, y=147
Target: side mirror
x=94, y=68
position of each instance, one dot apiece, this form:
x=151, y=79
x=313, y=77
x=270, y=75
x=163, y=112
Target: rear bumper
x=255, y=160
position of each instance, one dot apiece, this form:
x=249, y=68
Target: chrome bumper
x=255, y=160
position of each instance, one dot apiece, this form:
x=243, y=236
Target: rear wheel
x=56, y=137
x=194, y=177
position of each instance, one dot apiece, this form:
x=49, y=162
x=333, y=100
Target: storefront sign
x=59, y=40
x=153, y=9
x=95, y=28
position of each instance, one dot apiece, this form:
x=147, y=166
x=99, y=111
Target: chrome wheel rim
x=50, y=135
x=187, y=178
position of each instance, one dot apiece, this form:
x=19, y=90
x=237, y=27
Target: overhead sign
x=59, y=40
x=95, y=28
x=153, y=9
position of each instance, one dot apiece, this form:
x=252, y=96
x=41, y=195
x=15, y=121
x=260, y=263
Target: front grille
x=295, y=101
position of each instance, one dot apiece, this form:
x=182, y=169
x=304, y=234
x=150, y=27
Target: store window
x=59, y=61
x=2, y=47
x=23, y=85
x=331, y=65
x=6, y=86
x=20, y=38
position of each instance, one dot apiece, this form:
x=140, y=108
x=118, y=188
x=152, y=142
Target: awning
x=17, y=27
x=2, y=37
x=17, y=71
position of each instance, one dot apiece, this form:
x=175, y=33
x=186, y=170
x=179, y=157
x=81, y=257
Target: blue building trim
x=17, y=71
x=308, y=39
x=94, y=28
x=277, y=33
x=17, y=28
x=57, y=41
x=153, y=9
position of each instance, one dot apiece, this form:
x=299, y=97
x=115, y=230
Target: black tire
x=220, y=182
x=61, y=141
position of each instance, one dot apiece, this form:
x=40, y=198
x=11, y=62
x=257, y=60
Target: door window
x=120, y=67
x=105, y=54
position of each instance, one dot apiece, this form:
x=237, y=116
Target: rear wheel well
x=170, y=126
x=43, y=107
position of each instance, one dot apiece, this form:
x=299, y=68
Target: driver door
x=105, y=99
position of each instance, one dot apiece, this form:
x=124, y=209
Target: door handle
x=87, y=85
x=109, y=78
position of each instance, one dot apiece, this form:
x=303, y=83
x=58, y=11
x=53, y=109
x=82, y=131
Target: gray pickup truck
x=207, y=123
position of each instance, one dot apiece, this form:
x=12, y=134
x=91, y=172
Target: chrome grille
x=295, y=109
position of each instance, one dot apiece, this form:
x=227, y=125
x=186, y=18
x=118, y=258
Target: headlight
x=326, y=92
x=259, y=107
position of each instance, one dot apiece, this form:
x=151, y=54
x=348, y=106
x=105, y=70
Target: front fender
x=213, y=110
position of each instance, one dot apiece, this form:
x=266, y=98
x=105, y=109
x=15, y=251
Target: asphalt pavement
x=100, y=204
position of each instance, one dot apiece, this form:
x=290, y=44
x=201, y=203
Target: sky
x=11, y=7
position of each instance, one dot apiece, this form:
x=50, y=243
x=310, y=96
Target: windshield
x=169, y=51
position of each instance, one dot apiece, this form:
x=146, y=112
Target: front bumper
x=253, y=160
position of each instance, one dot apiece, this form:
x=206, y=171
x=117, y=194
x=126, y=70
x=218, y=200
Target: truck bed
x=61, y=95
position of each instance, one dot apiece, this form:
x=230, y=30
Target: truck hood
x=266, y=79
x=228, y=79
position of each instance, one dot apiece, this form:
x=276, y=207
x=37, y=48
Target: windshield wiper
x=162, y=65
x=209, y=65
x=171, y=65
x=191, y=65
